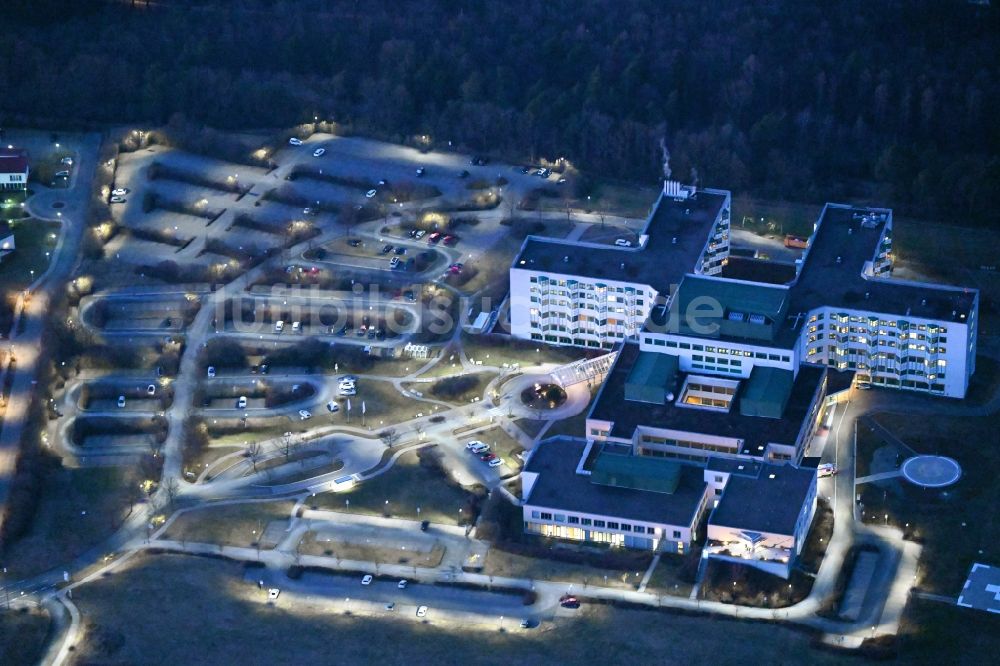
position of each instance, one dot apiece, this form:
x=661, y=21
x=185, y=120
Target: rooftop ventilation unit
x=672, y=188
x=757, y=319
x=736, y=316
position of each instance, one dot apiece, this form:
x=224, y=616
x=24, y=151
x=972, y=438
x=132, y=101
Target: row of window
x=658, y=342
x=596, y=523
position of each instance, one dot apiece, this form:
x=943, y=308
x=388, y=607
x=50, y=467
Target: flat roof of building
x=627, y=415
x=769, y=502
x=657, y=475
x=758, y=270
x=677, y=233
x=13, y=161
x=559, y=487
x=831, y=275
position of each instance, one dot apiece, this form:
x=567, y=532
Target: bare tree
x=253, y=453
x=287, y=445
x=171, y=487
x=389, y=436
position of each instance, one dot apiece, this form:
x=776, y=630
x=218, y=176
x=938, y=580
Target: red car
x=450, y=240
x=434, y=237
x=486, y=457
x=569, y=601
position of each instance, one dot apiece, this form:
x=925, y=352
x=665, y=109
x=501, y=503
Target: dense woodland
x=891, y=101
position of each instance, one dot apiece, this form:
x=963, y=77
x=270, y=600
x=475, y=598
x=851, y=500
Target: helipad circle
x=931, y=471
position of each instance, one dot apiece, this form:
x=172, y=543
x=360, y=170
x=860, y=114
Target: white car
x=67, y=161
x=120, y=191
x=62, y=174
x=863, y=386
x=117, y=199
x=242, y=402
x=211, y=371
x=294, y=141
x=621, y=242
x=151, y=389
x=371, y=194
x=394, y=262
x=477, y=447
x=332, y=407
x=319, y=152
x=826, y=469
x=121, y=401
x=348, y=391
x=367, y=579
x=421, y=171
x=496, y=462
x=279, y=326
x=420, y=234
x=402, y=584
x=272, y=593
x=304, y=414
x=296, y=326
x=421, y=611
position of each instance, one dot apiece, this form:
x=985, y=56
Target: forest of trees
x=892, y=101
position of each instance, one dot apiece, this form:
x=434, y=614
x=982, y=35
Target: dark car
x=386, y=249
x=410, y=296
x=400, y=250
x=424, y=525
x=354, y=242
x=463, y=174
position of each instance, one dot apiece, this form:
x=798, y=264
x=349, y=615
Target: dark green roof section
x=744, y=309
x=766, y=392
x=650, y=377
x=636, y=472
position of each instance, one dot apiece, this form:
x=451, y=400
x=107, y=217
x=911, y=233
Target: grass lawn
x=313, y=545
x=22, y=635
x=958, y=525
x=667, y=577
x=384, y=405
x=231, y=525
x=936, y=633
x=208, y=615
x=60, y=531
x=32, y=239
x=502, y=563
x=407, y=485
x=497, y=350
x=457, y=391
x=779, y=217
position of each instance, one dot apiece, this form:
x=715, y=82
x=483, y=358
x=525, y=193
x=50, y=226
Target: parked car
x=394, y=262
x=366, y=579
x=279, y=326
x=420, y=234
x=621, y=242
x=304, y=414
x=450, y=240
x=116, y=200
x=120, y=191
x=319, y=152
x=211, y=371
x=308, y=211
x=68, y=161
x=425, y=525
x=410, y=296
x=62, y=174
x=826, y=469
x=151, y=389
x=475, y=445
x=272, y=593
x=296, y=326
x=121, y=401
x=421, y=171
x=569, y=601
x=386, y=249
x=402, y=584
x=400, y=250
x=496, y=462
x=863, y=386
x=332, y=407
x=355, y=242
x=295, y=141
x=422, y=611
x=463, y=173
x=486, y=457
x=391, y=606
x=383, y=182
x=371, y=194
x=242, y=402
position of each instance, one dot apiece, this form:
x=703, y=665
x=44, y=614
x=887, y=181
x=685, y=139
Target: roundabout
x=543, y=396
x=931, y=471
